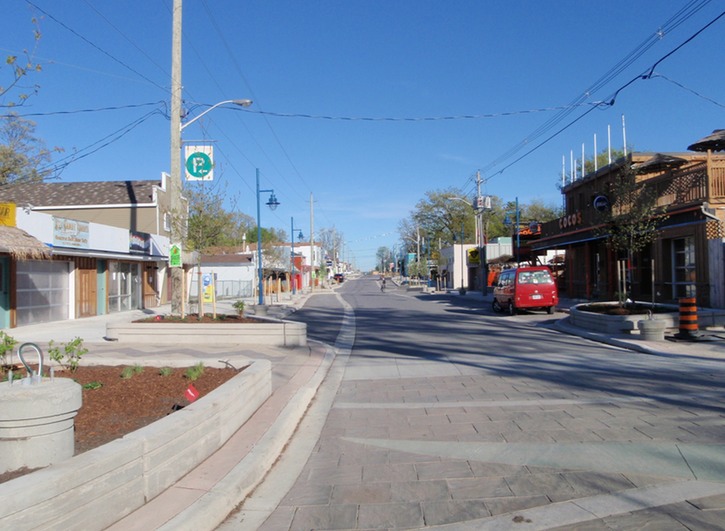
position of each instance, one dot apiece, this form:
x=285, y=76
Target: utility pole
x=312, y=242
x=177, y=213
x=481, y=236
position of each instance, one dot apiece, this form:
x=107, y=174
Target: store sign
x=7, y=214
x=601, y=203
x=570, y=221
x=139, y=242
x=70, y=233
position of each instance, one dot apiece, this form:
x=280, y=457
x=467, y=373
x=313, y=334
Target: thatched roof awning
x=21, y=245
x=714, y=142
x=658, y=162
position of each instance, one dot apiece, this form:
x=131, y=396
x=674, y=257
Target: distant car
x=525, y=287
x=339, y=278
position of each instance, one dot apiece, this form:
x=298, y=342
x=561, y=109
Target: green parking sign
x=198, y=165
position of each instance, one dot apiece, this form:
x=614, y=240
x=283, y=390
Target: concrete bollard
x=36, y=422
x=652, y=329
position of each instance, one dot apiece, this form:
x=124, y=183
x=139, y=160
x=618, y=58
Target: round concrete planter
x=652, y=329
x=36, y=426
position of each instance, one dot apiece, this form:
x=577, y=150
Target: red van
x=525, y=287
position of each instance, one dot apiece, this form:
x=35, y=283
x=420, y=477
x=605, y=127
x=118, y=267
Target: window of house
x=167, y=222
x=683, y=266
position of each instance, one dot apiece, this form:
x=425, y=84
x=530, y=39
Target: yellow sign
x=209, y=293
x=7, y=214
x=473, y=256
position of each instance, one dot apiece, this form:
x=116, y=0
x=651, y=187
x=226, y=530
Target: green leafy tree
x=439, y=217
x=630, y=224
x=210, y=225
x=23, y=156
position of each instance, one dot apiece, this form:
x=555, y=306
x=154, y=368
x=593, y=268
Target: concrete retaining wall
x=97, y=488
x=615, y=324
x=626, y=324
x=270, y=333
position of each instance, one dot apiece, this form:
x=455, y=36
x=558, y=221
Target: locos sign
x=570, y=221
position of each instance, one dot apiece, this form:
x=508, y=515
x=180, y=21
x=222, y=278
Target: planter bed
x=267, y=332
x=97, y=488
x=618, y=324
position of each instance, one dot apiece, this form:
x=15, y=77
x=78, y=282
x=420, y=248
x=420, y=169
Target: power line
x=609, y=103
x=107, y=54
x=61, y=164
x=100, y=109
x=687, y=89
x=412, y=119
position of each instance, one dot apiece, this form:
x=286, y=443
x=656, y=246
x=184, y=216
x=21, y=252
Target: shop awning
x=21, y=245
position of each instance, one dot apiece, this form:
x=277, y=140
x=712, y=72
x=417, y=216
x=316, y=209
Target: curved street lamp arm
x=241, y=103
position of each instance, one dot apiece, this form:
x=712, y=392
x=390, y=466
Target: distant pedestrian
x=382, y=283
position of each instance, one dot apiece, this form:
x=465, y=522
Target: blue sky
x=367, y=105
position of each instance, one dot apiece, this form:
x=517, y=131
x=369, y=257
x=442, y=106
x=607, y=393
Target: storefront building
x=54, y=268
x=685, y=259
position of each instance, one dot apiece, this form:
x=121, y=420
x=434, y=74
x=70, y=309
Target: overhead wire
x=240, y=73
x=81, y=111
x=609, y=101
x=62, y=163
x=688, y=89
x=95, y=46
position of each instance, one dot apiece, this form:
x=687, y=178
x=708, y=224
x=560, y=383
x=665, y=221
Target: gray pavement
x=405, y=443
x=472, y=451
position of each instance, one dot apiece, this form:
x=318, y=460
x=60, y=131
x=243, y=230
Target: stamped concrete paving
x=452, y=444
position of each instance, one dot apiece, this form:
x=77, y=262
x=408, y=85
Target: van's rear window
x=535, y=277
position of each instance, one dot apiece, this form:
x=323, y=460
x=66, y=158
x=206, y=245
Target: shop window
x=683, y=268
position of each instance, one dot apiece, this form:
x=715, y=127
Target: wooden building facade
x=687, y=256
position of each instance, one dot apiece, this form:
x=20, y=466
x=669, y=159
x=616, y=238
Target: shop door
x=86, y=288
x=150, y=295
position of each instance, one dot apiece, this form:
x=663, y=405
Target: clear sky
x=369, y=104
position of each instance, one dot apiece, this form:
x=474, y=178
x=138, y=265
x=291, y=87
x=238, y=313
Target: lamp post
x=292, y=255
x=272, y=203
x=479, y=207
x=507, y=221
x=240, y=103
x=177, y=211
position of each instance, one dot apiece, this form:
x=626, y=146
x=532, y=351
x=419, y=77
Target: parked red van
x=525, y=287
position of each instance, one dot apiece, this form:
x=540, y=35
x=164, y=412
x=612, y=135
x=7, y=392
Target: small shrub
x=92, y=385
x=239, y=307
x=195, y=372
x=130, y=372
x=166, y=371
x=71, y=353
x=7, y=344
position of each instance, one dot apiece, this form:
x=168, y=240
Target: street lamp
x=478, y=208
x=507, y=221
x=177, y=211
x=292, y=254
x=272, y=203
x=241, y=103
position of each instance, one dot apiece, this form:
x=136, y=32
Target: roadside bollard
x=688, y=328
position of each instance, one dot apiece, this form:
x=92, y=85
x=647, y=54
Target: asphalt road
x=439, y=413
